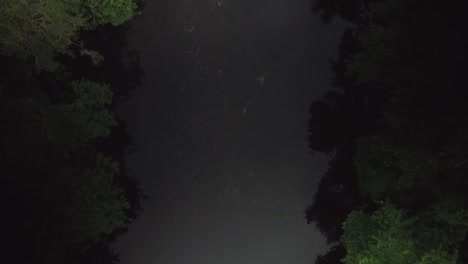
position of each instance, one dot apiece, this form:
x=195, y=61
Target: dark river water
x=220, y=126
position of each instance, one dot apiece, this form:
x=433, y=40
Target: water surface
x=220, y=131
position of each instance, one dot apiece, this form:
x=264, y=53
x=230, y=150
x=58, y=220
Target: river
x=220, y=131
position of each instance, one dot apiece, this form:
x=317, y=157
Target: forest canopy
x=62, y=146
x=397, y=129
x=39, y=30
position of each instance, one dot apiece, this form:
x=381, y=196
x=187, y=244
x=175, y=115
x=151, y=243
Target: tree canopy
x=61, y=143
x=389, y=236
x=39, y=30
x=401, y=64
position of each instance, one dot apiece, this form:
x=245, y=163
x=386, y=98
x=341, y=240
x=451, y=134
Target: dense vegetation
x=396, y=126
x=63, y=65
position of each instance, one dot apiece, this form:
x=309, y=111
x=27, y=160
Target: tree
x=410, y=55
x=385, y=165
x=96, y=207
x=42, y=29
x=447, y=221
x=386, y=236
x=84, y=119
x=99, y=12
x=37, y=29
x=336, y=196
x=68, y=199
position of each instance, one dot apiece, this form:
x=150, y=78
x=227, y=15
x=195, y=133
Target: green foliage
x=115, y=12
x=96, y=207
x=385, y=166
x=100, y=12
x=378, y=238
x=387, y=236
x=355, y=238
x=42, y=29
x=437, y=256
x=69, y=198
x=84, y=119
x=410, y=55
x=443, y=227
x=49, y=150
x=452, y=212
x=37, y=29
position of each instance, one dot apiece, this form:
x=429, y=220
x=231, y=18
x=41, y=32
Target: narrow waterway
x=220, y=128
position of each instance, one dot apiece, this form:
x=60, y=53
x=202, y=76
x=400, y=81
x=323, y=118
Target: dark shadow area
x=327, y=10
x=121, y=66
x=68, y=190
x=396, y=127
x=336, y=197
x=347, y=112
x=333, y=256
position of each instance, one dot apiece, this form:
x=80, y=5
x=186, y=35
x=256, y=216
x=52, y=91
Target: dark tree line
x=397, y=128
x=63, y=66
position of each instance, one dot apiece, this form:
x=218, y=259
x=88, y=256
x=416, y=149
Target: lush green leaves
x=68, y=199
x=378, y=238
x=387, y=236
x=42, y=29
x=115, y=12
x=99, y=12
x=85, y=118
x=37, y=29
